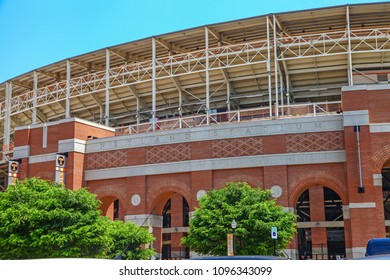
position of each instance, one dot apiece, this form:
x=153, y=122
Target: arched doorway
x=110, y=207
x=320, y=224
x=386, y=195
x=175, y=216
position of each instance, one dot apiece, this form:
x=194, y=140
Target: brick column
x=176, y=225
x=317, y=214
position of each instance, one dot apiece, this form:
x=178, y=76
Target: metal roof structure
x=266, y=61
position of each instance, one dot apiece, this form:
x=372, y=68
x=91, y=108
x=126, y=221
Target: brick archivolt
x=380, y=157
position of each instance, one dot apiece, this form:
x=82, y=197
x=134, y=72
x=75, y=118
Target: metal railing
x=286, y=111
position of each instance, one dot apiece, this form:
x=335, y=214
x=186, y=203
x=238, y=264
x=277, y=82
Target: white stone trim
x=289, y=209
x=216, y=132
x=377, y=178
x=42, y=158
x=346, y=213
x=71, y=145
x=175, y=229
x=320, y=224
x=356, y=252
x=387, y=223
x=145, y=220
x=21, y=152
x=380, y=127
x=366, y=87
x=359, y=117
x=216, y=164
x=362, y=205
x=39, y=125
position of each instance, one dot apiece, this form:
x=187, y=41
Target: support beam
x=276, y=70
x=350, y=66
x=88, y=66
x=230, y=89
x=7, y=120
x=170, y=46
x=35, y=93
x=269, y=68
x=107, y=108
x=154, y=84
x=67, y=101
x=206, y=32
x=220, y=37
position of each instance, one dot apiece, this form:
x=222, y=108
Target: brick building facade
x=156, y=178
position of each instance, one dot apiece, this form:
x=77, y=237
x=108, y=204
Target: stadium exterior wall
x=143, y=171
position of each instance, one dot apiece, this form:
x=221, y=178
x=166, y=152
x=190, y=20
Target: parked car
x=248, y=257
x=378, y=246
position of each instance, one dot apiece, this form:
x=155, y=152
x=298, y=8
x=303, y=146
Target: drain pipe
x=361, y=187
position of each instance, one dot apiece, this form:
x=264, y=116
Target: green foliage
x=128, y=235
x=39, y=219
x=253, y=210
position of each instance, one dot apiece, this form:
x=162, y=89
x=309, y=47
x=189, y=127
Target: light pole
x=150, y=230
x=234, y=226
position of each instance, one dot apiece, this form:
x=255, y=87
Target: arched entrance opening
x=386, y=195
x=175, y=216
x=320, y=224
x=110, y=207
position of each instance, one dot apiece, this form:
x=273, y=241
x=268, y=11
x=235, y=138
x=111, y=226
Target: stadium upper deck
x=270, y=61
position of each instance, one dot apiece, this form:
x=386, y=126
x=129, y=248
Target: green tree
x=255, y=213
x=125, y=239
x=40, y=219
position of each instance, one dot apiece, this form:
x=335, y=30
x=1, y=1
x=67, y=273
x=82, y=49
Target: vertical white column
x=107, y=111
x=206, y=32
x=228, y=96
x=350, y=77
x=7, y=121
x=269, y=68
x=276, y=70
x=35, y=93
x=281, y=91
x=154, y=84
x=67, y=104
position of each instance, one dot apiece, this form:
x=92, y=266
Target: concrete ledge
x=42, y=158
x=362, y=205
x=38, y=125
x=380, y=127
x=366, y=87
x=22, y=152
x=71, y=145
x=359, y=117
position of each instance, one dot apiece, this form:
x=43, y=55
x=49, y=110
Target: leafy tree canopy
x=255, y=213
x=39, y=219
x=125, y=239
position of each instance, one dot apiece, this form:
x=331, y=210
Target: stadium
x=295, y=102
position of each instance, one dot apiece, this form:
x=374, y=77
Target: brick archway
x=159, y=193
x=321, y=180
x=380, y=158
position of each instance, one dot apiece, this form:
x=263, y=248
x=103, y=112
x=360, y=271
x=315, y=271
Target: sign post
x=60, y=169
x=274, y=236
x=13, y=172
x=230, y=244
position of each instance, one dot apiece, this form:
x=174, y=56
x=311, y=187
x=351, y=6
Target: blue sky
x=34, y=33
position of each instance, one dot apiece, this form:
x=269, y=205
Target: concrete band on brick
x=215, y=164
x=359, y=117
x=225, y=131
